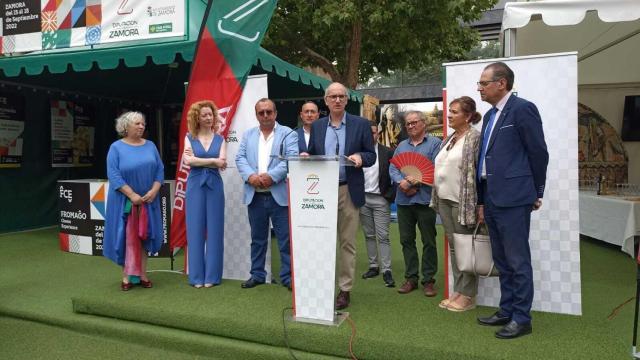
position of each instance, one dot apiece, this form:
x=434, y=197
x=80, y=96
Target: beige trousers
x=348, y=220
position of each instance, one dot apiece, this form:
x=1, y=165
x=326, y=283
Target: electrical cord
x=286, y=336
x=284, y=330
x=353, y=336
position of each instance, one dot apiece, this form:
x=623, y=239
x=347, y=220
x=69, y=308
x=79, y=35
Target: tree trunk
x=350, y=77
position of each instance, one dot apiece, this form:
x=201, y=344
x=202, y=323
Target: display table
x=82, y=205
x=613, y=219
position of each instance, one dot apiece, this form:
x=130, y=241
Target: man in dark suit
x=348, y=135
x=308, y=114
x=375, y=214
x=512, y=169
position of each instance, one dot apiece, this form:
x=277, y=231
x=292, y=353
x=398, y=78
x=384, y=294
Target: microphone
x=283, y=140
x=337, y=140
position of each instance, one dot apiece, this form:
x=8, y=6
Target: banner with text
x=72, y=134
x=11, y=129
x=33, y=25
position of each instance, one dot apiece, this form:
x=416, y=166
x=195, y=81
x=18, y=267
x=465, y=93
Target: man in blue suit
x=265, y=190
x=308, y=114
x=512, y=169
x=344, y=134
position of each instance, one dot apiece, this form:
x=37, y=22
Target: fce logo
x=66, y=194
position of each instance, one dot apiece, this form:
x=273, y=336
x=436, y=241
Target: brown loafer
x=430, y=290
x=125, y=286
x=343, y=300
x=146, y=284
x=407, y=287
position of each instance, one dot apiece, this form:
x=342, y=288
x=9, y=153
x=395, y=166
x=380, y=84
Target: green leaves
x=396, y=34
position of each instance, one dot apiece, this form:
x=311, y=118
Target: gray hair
x=326, y=91
x=420, y=114
x=124, y=120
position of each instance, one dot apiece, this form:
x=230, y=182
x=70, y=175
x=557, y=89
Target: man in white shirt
x=375, y=213
x=265, y=190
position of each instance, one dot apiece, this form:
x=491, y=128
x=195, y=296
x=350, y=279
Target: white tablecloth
x=610, y=218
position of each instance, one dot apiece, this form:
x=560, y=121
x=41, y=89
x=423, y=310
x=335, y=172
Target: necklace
x=454, y=138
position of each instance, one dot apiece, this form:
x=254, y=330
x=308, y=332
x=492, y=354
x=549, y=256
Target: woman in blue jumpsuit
x=205, y=153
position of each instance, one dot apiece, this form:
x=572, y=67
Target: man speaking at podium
x=348, y=135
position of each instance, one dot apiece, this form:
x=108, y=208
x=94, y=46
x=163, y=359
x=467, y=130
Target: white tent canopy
x=569, y=12
x=606, y=35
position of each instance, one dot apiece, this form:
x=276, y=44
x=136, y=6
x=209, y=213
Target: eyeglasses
x=335, y=98
x=265, y=112
x=309, y=112
x=487, y=82
x=411, y=124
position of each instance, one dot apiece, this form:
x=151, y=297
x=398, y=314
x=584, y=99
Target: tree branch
x=324, y=63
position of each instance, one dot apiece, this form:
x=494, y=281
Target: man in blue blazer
x=512, y=169
x=348, y=135
x=308, y=114
x=265, y=190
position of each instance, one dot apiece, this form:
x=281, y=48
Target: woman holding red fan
x=454, y=193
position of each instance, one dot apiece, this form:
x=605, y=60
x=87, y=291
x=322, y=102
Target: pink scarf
x=136, y=233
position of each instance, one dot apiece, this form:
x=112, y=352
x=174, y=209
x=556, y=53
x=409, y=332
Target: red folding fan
x=416, y=165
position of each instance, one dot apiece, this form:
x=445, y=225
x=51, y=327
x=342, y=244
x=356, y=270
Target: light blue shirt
x=428, y=147
x=333, y=135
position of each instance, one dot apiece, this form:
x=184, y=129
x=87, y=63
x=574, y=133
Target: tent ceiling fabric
x=136, y=56
x=568, y=12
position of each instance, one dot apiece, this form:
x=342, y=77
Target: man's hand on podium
x=356, y=159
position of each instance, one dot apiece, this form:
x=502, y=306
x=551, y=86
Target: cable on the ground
x=284, y=330
x=353, y=336
x=617, y=309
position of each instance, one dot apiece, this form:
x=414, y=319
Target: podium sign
x=313, y=196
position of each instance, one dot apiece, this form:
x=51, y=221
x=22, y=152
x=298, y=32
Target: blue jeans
x=262, y=208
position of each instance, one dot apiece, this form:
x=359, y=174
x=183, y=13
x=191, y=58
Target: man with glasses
x=265, y=191
x=308, y=114
x=413, y=198
x=512, y=168
x=348, y=135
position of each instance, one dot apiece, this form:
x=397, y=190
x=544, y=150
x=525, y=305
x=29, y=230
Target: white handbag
x=473, y=253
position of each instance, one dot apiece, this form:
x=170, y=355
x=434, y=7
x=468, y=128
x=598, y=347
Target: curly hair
x=194, y=114
x=123, y=121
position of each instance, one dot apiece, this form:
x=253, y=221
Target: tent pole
x=635, y=316
x=509, y=42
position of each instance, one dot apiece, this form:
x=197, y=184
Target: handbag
x=473, y=253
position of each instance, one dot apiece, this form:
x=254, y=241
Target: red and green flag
x=227, y=46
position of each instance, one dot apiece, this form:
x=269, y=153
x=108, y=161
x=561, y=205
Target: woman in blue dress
x=135, y=173
x=205, y=153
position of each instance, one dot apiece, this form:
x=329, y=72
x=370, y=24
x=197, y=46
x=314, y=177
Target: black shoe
x=494, y=320
x=251, y=283
x=372, y=272
x=288, y=286
x=513, y=330
x=388, y=279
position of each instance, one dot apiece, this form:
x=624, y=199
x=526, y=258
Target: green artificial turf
x=38, y=283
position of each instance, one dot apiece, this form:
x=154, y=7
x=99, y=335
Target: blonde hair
x=123, y=121
x=194, y=114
